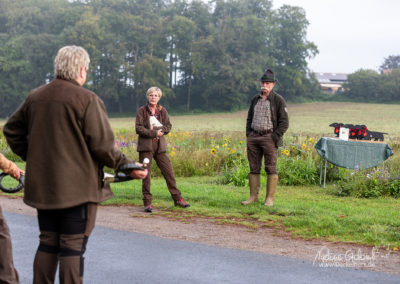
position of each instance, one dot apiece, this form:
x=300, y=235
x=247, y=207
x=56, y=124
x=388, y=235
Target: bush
x=371, y=183
x=297, y=171
x=237, y=173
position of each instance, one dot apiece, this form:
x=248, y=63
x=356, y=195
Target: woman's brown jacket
x=146, y=135
x=63, y=133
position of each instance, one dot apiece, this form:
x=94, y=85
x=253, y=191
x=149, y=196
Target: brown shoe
x=181, y=203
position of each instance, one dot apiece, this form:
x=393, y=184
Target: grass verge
x=305, y=212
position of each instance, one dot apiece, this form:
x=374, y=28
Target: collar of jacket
x=158, y=108
x=269, y=97
x=67, y=80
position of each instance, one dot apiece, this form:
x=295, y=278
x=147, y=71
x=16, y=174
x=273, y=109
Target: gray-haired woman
x=152, y=123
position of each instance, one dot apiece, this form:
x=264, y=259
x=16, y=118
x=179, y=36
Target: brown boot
x=254, y=181
x=272, y=182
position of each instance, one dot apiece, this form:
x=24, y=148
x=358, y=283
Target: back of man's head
x=69, y=61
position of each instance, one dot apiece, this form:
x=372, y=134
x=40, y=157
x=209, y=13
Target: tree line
x=204, y=56
x=370, y=86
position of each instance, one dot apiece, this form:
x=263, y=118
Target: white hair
x=69, y=61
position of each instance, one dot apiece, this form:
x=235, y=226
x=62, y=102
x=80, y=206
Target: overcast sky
x=350, y=34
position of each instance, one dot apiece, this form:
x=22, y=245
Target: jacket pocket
x=276, y=139
x=145, y=144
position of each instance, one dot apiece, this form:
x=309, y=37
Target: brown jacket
x=146, y=136
x=63, y=133
x=279, y=116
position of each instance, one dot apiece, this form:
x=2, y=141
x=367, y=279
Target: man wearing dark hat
x=267, y=121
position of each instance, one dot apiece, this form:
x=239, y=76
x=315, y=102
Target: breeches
x=165, y=166
x=259, y=147
x=8, y=273
x=63, y=237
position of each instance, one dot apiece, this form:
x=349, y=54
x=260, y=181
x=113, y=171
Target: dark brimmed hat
x=268, y=76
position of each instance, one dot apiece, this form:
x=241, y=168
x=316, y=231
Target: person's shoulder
x=279, y=97
x=78, y=96
x=142, y=108
x=37, y=91
x=162, y=109
x=255, y=97
x=141, y=111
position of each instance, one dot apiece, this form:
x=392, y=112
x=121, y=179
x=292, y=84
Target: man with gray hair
x=267, y=121
x=63, y=133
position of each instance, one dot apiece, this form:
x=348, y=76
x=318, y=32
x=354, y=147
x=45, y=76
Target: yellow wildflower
x=232, y=151
x=213, y=151
x=228, y=149
x=303, y=146
x=172, y=153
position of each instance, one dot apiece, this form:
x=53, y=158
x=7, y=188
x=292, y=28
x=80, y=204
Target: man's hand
x=13, y=171
x=139, y=174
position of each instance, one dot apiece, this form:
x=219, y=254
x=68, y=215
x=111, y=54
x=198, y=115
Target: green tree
x=290, y=50
x=390, y=86
x=363, y=85
x=391, y=62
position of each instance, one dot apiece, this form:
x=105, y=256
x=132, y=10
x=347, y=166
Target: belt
x=262, y=132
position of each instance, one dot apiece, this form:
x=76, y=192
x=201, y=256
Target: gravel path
x=264, y=240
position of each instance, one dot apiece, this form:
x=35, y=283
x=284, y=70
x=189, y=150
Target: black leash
x=13, y=189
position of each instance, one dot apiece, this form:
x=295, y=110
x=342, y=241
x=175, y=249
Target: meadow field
x=309, y=119
x=208, y=153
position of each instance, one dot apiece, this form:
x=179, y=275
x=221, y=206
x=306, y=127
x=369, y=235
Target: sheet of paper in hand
x=154, y=121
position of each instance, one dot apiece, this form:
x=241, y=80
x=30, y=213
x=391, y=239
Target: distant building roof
x=331, y=77
x=331, y=82
x=386, y=71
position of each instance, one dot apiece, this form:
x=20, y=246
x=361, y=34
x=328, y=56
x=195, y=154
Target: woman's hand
x=160, y=133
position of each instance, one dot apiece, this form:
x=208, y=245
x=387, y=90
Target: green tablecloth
x=353, y=154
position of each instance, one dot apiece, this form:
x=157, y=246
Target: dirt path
x=264, y=240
